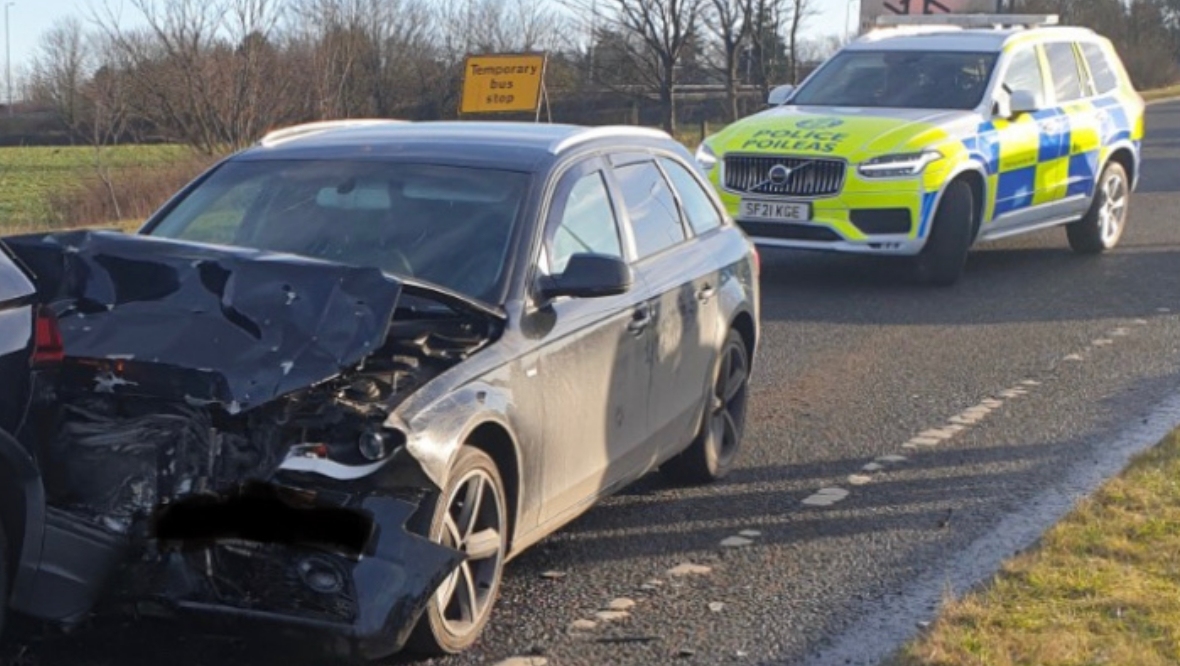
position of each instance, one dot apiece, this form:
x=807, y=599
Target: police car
x=929, y=134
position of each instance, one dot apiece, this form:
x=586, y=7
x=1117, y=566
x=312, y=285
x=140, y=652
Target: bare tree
x=365, y=56
x=764, y=19
x=655, y=35
x=201, y=70
x=801, y=11
x=497, y=26
x=727, y=21
x=108, y=115
x=61, y=66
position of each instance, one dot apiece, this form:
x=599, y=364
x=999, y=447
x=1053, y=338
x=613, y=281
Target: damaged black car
x=343, y=377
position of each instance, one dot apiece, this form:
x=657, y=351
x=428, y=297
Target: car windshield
x=444, y=224
x=900, y=79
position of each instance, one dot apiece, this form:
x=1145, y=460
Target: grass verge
x=1161, y=93
x=1103, y=586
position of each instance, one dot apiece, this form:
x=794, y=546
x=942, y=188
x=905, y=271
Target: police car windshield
x=448, y=225
x=900, y=79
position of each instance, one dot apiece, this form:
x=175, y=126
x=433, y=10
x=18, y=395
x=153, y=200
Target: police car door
x=1012, y=142
x=1063, y=189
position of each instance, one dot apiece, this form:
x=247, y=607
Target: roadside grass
x=32, y=177
x=1161, y=93
x=1103, y=586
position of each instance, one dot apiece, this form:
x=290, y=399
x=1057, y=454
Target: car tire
x=459, y=610
x=1103, y=225
x=942, y=260
x=713, y=453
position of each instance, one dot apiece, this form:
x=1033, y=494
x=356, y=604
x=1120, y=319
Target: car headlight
x=898, y=166
x=706, y=157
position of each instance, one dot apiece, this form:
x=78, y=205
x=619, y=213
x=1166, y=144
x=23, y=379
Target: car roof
x=510, y=145
x=949, y=38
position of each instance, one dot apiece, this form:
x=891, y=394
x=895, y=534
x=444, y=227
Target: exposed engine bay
x=114, y=458
x=192, y=373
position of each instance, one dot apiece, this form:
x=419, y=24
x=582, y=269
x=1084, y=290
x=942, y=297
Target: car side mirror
x=589, y=276
x=1024, y=101
x=780, y=95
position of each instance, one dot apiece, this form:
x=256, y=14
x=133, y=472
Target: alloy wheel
x=1113, y=208
x=727, y=418
x=472, y=525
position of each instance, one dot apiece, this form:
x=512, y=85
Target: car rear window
x=698, y=207
x=651, y=206
x=900, y=79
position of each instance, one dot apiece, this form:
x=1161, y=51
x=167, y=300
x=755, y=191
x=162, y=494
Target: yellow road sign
x=498, y=83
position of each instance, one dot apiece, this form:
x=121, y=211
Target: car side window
x=1063, y=64
x=698, y=207
x=1024, y=73
x=588, y=225
x=655, y=220
x=1105, y=78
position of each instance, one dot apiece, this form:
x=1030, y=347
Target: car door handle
x=706, y=293
x=640, y=320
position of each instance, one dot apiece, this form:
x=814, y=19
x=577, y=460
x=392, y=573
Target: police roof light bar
x=969, y=20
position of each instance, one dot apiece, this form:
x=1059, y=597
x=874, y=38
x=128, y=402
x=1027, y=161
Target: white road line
x=826, y=497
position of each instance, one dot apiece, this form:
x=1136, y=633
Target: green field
x=29, y=175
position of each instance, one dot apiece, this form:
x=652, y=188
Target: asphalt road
x=1055, y=367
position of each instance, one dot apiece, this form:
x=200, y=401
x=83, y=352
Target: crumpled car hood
x=237, y=327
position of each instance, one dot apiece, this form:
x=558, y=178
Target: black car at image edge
x=343, y=377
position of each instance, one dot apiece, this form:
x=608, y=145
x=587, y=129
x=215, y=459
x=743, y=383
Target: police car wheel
x=942, y=260
x=713, y=453
x=1102, y=227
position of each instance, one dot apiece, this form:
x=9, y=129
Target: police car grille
x=808, y=177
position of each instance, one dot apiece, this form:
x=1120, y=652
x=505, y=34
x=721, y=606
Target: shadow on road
x=622, y=530
x=873, y=291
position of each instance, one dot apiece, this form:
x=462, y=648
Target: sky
x=28, y=19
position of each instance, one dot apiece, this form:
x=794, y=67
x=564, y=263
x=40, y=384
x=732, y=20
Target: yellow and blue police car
x=932, y=133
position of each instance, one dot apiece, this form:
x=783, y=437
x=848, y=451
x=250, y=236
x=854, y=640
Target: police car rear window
x=1105, y=80
x=900, y=79
x=1064, y=66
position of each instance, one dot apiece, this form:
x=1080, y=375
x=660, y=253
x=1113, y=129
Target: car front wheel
x=942, y=260
x=1102, y=227
x=470, y=516
x=712, y=454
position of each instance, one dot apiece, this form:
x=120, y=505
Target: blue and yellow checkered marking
x=1054, y=154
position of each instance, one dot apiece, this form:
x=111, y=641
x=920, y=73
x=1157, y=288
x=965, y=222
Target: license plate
x=776, y=211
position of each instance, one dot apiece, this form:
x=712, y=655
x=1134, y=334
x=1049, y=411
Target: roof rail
x=880, y=33
x=603, y=132
x=295, y=131
x=970, y=20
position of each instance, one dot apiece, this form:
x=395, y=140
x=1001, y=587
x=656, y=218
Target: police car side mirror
x=780, y=95
x=1022, y=102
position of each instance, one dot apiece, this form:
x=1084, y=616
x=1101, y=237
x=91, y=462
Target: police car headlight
x=898, y=166
x=706, y=157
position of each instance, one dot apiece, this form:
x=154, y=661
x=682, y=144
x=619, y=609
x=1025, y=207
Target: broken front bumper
x=369, y=604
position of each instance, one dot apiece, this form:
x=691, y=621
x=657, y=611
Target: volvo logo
x=779, y=174
x=819, y=123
